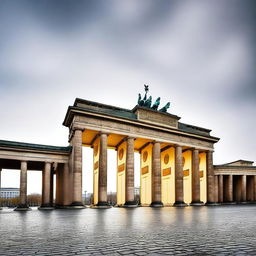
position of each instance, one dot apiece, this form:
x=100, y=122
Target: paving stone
x=142, y=231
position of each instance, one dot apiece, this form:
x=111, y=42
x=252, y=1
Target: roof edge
x=34, y=146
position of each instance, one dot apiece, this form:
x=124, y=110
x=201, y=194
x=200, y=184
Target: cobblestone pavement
x=219, y=230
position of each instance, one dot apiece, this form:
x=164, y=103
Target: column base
x=251, y=202
x=243, y=202
x=211, y=204
x=156, y=204
x=46, y=207
x=180, y=204
x=130, y=204
x=101, y=205
x=229, y=203
x=196, y=203
x=76, y=205
x=22, y=207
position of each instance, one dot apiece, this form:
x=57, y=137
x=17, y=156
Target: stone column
x=195, y=178
x=102, y=194
x=46, y=186
x=65, y=185
x=77, y=168
x=23, y=187
x=0, y=187
x=243, y=188
x=220, y=188
x=230, y=188
x=249, y=189
x=51, y=186
x=216, y=188
x=179, y=194
x=210, y=179
x=58, y=186
x=156, y=175
x=129, y=174
x=254, y=188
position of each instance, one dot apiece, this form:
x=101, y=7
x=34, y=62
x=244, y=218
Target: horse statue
x=164, y=109
x=148, y=102
x=156, y=104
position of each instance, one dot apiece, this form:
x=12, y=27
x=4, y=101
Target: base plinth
x=212, y=204
x=42, y=207
x=180, y=204
x=196, y=203
x=76, y=205
x=156, y=204
x=229, y=203
x=131, y=204
x=22, y=207
x=101, y=205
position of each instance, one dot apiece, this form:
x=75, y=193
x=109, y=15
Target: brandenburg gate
x=176, y=160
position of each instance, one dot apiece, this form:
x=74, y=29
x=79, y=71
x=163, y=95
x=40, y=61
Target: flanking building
x=176, y=160
x=7, y=193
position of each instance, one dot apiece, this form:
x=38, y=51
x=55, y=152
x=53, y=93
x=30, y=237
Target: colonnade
x=157, y=162
x=100, y=172
x=231, y=188
x=47, y=186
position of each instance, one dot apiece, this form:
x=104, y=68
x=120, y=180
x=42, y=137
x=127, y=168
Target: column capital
x=177, y=146
x=130, y=137
x=77, y=129
x=103, y=133
x=195, y=148
x=155, y=141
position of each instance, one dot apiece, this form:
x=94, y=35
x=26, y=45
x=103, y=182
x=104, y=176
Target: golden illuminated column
x=77, y=168
x=220, y=188
x=216, y=188
x=156, y=175
x=102, y=194
x=230, y=188
x=243, y=188
x=195, y=178
x=23, y=187
x=129, y=174
x=179, y=194
x=46, y=187
x=210, y=179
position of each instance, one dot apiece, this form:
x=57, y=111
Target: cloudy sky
x=198, y=54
